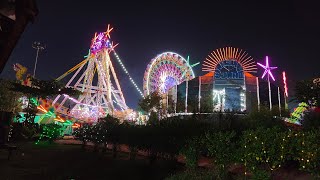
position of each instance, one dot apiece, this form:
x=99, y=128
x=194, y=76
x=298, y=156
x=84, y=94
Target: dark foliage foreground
x=259, y=143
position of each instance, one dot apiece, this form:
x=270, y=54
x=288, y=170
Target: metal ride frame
x=101, y=91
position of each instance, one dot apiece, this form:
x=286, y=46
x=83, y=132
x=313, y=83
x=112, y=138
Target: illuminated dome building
x=229, y=85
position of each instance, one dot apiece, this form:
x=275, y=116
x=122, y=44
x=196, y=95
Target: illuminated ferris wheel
x=165, y=71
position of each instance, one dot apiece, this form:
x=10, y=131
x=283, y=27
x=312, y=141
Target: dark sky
x=287, y=31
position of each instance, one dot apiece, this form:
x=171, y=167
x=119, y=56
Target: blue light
x=168, y=83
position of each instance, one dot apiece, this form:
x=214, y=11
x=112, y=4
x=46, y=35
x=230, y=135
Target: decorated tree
x=50, y=132
x=82, y=133
x=40, y=89
x=151, y=103
x=9, y=105
x=308, y=91
x=8, y=98
x=44, y=89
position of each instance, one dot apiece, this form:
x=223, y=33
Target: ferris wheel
x=165, y=71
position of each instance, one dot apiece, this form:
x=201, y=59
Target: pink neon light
x=267, y=69
x=78, y=102
x=285, y=83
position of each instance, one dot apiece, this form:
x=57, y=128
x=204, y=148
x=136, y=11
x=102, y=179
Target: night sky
x=288, y=33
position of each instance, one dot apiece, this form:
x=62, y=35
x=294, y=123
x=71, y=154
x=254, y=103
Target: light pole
x=38, y=46
x=267, y=71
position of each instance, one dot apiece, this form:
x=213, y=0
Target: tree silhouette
x=309, y=92
x=151, y=103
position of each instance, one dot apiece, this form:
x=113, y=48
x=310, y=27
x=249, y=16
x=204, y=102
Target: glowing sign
x=229, y=70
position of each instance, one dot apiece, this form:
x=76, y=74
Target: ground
x=57, y=161
x=61, y=161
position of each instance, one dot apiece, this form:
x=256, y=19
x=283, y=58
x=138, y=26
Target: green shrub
x=193, y=174
x=191, y=151
x=263, y=149
x=263, y=118
x=221, y=147
x=50, y=132
x=307, y=145
x=311, y=120
x=261, y=175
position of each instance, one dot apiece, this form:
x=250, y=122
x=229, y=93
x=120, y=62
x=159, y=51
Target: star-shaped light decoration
x=267, y=69
x=191, y=65
x=102, y=40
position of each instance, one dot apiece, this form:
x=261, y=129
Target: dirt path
x=58, y=161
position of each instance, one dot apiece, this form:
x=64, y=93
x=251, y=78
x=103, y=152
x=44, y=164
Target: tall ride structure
x=97, y=80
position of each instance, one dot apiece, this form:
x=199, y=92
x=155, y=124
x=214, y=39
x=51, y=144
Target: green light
x=34, y=101
x=195, y=64
x=68, y=122
x=87, y=54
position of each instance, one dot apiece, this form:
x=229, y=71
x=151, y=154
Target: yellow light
x=59, y=119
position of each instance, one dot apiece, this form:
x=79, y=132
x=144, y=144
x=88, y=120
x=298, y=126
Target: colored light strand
x=126, y=71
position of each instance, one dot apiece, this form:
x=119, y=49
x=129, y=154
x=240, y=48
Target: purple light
x=98, y=42
x=100, y=36
x=267, y=69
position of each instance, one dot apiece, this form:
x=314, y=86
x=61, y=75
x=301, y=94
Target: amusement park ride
x=165, y=71
x=100, y=89
x=101, y=93
x=99, y=96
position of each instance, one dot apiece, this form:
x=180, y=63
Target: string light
x=51, y=131
x=126, y=71
x=10, y=132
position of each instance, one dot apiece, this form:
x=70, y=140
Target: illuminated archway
x=229, y=66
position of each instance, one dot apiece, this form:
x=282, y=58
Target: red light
x=285, y=83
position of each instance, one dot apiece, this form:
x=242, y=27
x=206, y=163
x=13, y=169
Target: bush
x=263, y=118
x=261, y=175
x=307, y=150
x=263, y=149
x=82, y=132
x=25, y=131
x=221, y=147
x=311, y=120
x=194, y=174
x=50, y=132
x=191, y=151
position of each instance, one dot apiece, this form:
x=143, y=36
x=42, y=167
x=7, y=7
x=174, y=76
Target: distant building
x=230, y=85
